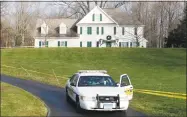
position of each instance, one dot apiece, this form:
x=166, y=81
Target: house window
x=40, y=43
x=135, y=30
x=89, y=30
x=97, y=43
x=133, y=44
x=102, y=30
x=89, y=44
x=81, y=30
x=62, y=43
x=97, y=30
x=124, y=44
x=46, y=43
x=101, y=17
x=81, y=44
x=114, y=30
x=93, y=17
x=119, y=44
x=123, y=31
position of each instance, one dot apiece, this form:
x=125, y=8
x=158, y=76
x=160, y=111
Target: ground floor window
x=43, y=44
x=89, y=44
x=62, y=43
x=124, y=44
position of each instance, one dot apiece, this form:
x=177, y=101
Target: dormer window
x=63, y=28
x=44, y=29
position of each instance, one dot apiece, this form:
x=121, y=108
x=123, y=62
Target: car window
x=96, y=81
x=72, y=78
x=75, y=79
x=125, y=81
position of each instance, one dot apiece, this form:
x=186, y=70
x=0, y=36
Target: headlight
x=123, y=98
x=87, y=98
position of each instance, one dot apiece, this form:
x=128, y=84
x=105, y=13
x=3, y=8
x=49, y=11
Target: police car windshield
x=105, y=81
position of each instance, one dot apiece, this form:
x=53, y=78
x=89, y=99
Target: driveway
x=54, y=98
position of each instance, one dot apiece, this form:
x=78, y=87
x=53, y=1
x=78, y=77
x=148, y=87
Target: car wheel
x=78, y=108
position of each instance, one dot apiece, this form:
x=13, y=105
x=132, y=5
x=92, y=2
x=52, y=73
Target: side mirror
x=72, y=84
x=118, y=84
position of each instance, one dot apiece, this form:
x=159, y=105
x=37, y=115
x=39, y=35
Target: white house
x=99, y=28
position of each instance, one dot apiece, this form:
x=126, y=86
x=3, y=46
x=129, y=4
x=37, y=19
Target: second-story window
x=97, y=30
x=135, y=30
x=114, y=30
x=89, y=30
x=101, y=17
x=93, y=17
x=123, y=30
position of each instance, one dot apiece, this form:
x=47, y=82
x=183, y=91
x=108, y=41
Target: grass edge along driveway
x=18, y=102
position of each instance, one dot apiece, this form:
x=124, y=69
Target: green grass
x=17, y=102
x=153, y=69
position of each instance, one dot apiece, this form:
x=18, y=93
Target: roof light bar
x=92, y=71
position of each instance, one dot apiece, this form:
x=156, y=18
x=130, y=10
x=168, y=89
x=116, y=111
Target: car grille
x=107, y=98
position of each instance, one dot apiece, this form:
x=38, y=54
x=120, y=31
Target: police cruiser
x=96, y=90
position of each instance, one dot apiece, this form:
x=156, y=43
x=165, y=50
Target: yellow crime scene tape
x=172, y=93
x=164, y=95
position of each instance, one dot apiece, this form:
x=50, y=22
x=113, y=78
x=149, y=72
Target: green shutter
x=90, y=30
x=80, y=30
x=40, y=43
x=102, y=30
x=93, y=17
x=114, y=30
x=101, y=17
x=46, y=44
x=87, y=44
x=65, y=43
x=90, y=44
x=87, y=30
x=123, y=31
x=97, y=30
x=81, y=44
x=58, y=43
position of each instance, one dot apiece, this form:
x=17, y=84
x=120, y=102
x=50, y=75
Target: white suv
x=96, y=90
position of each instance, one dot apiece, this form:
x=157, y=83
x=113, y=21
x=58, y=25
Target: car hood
x=102, y=91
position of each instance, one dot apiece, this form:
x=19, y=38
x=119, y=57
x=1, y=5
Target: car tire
x=78, y=107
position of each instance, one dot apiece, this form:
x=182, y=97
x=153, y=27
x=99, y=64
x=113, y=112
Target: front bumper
x=93, y=105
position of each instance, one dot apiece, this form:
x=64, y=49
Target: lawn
x=152, y=69
x=17, y=102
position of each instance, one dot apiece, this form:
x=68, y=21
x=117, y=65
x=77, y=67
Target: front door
x=126, y=84
x=108, y=44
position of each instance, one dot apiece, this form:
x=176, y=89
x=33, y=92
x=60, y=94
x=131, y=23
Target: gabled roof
x=120, y=17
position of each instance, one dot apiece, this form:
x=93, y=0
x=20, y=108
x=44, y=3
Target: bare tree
x=79, y=9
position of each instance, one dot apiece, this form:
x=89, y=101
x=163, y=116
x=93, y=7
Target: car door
x=73, y=86
x=70, y=87
x=126, y=84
